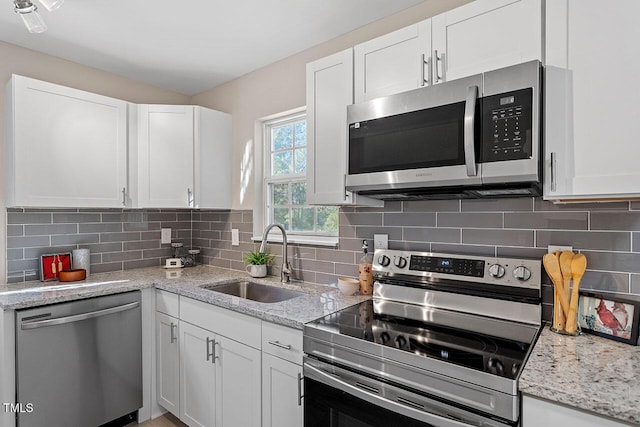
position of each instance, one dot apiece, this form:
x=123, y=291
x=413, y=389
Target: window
x=285, y=186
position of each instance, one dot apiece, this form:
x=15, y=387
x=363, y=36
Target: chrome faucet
x=285, y=271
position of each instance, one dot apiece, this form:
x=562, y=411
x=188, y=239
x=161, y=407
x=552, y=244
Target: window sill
x=329, y=241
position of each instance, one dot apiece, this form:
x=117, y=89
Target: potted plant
x=257, y=263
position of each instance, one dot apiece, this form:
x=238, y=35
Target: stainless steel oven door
x=338, y=397
x=422, y=138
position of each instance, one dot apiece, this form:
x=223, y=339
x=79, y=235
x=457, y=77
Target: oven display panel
x=455, y=266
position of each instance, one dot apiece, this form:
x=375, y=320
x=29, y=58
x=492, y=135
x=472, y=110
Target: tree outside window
x=286, y=185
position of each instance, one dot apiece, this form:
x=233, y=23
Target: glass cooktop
x=479, y=351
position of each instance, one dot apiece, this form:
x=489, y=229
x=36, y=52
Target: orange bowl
x=72, y=275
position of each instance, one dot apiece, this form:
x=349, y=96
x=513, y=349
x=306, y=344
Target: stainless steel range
x=442, y=344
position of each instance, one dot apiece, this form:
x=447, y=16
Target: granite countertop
x=586, y=372
x=317, y=301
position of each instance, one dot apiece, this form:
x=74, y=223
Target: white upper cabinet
x=184, y=157
x=329, y=91
x=166, y=145
x=65, y=147
x=591, y=104
x=480, y=36
x=486, y=35
x=393, y=63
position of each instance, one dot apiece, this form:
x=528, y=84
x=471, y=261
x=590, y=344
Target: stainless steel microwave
x=478, y=136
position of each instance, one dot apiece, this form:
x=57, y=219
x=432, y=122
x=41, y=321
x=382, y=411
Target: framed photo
x=51, y=264
x=611, y=316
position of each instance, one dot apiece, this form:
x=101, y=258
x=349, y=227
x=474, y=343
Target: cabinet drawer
x=239, y=327
x=167, y=302
x=282, y=342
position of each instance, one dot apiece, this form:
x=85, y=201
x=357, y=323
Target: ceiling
x=189, y=46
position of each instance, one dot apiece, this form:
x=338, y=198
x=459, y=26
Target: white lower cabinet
x=237, y=384
x=203, y=377
x=198, y=376
x=281, y=391
x=281, y=376
x=537, y=412
x=167, y=363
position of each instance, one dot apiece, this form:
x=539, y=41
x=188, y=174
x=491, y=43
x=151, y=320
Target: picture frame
x=609, y=315
x=47, y=262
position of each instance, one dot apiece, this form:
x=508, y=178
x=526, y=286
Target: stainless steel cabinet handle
x=78, y=317
x=173, y=335
x=278, y=344
x=189, y=197
x=553, y=171
x=124, y=196
x=437, y=61
x=469, y=130
x=212, y=353
x=424, y=61
x=300, y=396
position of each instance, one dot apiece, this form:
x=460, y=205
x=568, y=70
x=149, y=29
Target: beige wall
x=17, y=60
x=281, y=86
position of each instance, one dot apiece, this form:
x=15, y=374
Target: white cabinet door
x=595, y=102
x=393, y=63
x=281, y=393
x=165, y=156
x=238, y=391
x=213, y=159
x=197, y=376
x=485, y=35
x=65, y=147
x=536, y=412
x=329, y=91
x=167, y=363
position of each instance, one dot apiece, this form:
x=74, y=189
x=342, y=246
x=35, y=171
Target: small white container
x=348, y=285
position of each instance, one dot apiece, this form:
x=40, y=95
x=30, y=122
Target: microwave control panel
x=506, y=126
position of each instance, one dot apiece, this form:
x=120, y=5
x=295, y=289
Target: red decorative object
x=52, y=264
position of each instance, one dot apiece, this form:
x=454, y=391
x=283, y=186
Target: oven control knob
x=496, y=366
x=384, y=260
x=400, y=262
x=384, y=337
x=522, y=273
x=496, y=270
x=401, y=341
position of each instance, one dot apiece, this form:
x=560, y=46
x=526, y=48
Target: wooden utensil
x=578, y=266
x=559, y=318
x=552, y=266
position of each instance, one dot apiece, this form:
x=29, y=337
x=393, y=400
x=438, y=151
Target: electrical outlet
x=552, y=248
x=165, y=235
x=235, y=237
x=380, y=241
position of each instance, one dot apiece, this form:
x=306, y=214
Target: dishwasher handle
x=78, y=317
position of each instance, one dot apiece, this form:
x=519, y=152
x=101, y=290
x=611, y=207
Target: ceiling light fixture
x=30, y=16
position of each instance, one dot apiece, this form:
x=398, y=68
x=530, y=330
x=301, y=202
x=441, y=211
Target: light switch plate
x=235, y=237
x=552, y=248
x=165, y=235
x=380, y=241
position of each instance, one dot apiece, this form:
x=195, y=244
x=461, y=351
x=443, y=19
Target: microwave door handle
x=469, y=130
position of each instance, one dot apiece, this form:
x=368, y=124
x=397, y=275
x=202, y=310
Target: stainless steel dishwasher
x=79, y=363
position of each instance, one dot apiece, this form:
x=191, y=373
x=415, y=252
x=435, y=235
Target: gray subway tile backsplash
x=119, y=237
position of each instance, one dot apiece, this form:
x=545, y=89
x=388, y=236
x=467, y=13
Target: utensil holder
x=82, y=260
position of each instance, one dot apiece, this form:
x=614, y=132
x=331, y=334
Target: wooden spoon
x=565, y=259
x=578, y=266
x=551, y=264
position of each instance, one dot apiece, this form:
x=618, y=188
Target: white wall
x=281, y=86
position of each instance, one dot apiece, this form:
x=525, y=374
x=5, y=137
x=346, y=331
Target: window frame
x=262, y=174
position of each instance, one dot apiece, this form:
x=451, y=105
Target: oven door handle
x=330, y=380
x=469, y=130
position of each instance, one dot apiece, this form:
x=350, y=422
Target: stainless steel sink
x=253, y=291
